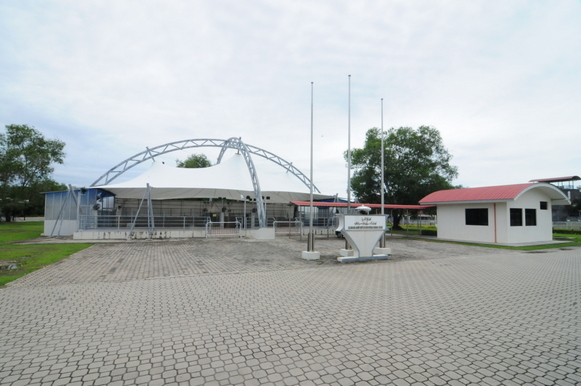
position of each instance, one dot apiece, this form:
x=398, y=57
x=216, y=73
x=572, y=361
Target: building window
x=478, y=216
x=515, y=217
x=544, y=205
x=530, y=217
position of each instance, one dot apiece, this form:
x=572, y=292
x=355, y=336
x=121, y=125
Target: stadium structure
x=232, y=197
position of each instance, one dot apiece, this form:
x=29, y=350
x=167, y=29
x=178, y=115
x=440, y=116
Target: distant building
x=566, y=184
x=508, y=214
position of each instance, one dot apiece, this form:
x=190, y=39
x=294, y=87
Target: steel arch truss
x=232, y=143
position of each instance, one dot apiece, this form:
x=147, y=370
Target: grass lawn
x=17, y=260
x=570, y=239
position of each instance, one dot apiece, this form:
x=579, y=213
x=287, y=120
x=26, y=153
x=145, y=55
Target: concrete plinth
x=313, y=255
x=349, y=259
x=382, y=251
x=346, y=252
x=261, y=233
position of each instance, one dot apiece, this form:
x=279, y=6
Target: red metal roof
x=357, y=205
x=488, y=193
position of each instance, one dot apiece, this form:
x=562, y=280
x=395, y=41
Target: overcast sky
x=500, y=80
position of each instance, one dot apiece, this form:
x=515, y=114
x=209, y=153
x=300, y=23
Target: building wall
x=502, y=223
x=543, y=231
x=452, y=223
x=60, y=228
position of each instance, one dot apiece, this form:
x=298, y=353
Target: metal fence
x=322, y=222
x=121, y=223
x=567, y=224
x=221, y=229
x=289, y=228
x=118, y=222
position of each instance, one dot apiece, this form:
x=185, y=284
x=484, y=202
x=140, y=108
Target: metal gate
x=223, y=229
x=289, y=228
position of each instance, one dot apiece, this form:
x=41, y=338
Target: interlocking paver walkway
x=229, y=312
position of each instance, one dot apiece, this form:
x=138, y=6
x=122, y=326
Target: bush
x=568, y=231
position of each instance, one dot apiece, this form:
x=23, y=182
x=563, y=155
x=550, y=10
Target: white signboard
x=354, y=223
x=362, y=232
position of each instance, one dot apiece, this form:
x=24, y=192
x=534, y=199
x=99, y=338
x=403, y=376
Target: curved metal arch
x=232, y=143
x=238, y=144
x=274, y=158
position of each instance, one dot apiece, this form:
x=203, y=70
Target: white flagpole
x=349, y=149
x=311, y=238
x=382, y=163
x=310, y=253
x=347, y=246
x=382, y=239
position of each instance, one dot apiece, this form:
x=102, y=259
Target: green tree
x=416, y=164
x=194, y=161
x=26, y=159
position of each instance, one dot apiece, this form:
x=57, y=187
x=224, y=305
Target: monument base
x=346, y=252
x=350, y=259
x=382, y=251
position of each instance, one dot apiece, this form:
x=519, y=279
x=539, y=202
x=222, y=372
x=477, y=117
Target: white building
x=508, y=214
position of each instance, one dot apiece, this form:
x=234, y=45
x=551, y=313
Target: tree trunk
x=396, y=220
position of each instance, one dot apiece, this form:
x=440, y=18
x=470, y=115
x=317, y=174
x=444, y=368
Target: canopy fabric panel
x=229, y=179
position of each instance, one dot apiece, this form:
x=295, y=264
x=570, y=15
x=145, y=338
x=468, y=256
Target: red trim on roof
x=357, y=205
x=488, y=193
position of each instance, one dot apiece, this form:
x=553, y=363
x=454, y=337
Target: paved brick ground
x=229, y=312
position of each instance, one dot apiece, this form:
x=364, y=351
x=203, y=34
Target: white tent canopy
x=229, y=179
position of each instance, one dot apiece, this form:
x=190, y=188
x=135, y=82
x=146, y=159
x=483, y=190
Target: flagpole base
x=311, y=255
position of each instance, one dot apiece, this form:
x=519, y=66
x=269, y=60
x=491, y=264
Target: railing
x=567, y=224
x=89, y=222
x=321, y=226
x=251, y=222
x=247, y=222
x=287, y=227
x=232, y=228
x=323, y=222
x=220, y=229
